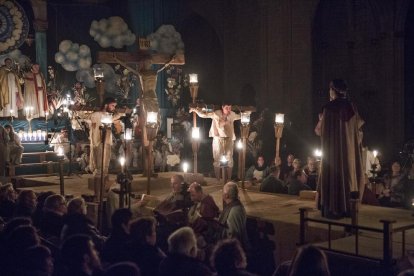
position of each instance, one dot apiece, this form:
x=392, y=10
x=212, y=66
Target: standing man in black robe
x=341, y=165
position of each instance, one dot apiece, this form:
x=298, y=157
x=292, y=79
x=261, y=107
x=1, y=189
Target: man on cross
x=222, y=131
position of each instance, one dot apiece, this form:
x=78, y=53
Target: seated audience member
x=7, y=201
x=202, y=215
x=38, y=213
x=257, y=172
x=179, y=199
x=286, y=168
x=297, y=183
x=76, y=222
x=52, y=221
x=233, y=217
x=122, y=268
x=20, y=239
x=182, y=247
x=36, y=261
x=311, y=171
x=80, y=257
x=142, y=248
x=297, y=167
x=272, y=184
x=115, y=246
x=309, y=260
x=15, y=148
x=25, y=204
x=229, y=259
x=395, y=185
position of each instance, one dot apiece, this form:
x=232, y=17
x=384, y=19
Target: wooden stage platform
x=281, y=211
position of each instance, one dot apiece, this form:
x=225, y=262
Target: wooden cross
x=143, y=59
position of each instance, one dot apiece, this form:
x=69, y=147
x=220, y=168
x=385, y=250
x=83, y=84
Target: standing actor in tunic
x=35, y=94
x=222, y=131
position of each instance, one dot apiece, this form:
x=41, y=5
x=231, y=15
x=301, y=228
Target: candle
x=185, y=167
x=239, y=144
x=152, y=117
x=195, y=133
x=60, y=151
x=245, y=118
x=193, y=78
x=128, y=134
x=279, y=118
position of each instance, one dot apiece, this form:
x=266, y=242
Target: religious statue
x=11, y=98
x=35, y=93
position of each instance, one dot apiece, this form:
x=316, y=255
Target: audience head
x=77, y=206
x=312, y=163
x=14, y=223
x=23, y=237
x=183, y=242
x=27, y=199
x=38, y=259
x=55, y=204
x=123, y=268
x=196, y=192
x=396, y=168
x=7, y=192
x=42, y=198
x=260, y=161
x=228, y=256
x=79, y=254
x=120, y=220
x=230, y=192
x=309, y=260
x=144, y=230
x=290, y=158
x=296, y=164
x=176, y=181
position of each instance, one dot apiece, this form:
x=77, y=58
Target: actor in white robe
x=35, y=94
x=11, y=98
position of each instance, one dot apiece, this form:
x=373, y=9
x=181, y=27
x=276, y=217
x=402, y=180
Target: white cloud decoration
x=112, y=32
x=17, y=56
x=73, y=57
x=166, y=40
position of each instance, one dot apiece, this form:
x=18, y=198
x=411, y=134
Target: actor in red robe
x=341, y=166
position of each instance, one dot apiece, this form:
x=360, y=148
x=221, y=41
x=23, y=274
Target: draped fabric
x=341, y=167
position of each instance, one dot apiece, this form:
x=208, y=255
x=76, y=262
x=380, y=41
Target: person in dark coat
x=341, y=170
x=115, y=247
x=182, y=255
x=142, y=249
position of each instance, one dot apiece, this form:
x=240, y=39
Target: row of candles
x=38, y=135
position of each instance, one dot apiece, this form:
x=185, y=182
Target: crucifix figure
x=148, y=79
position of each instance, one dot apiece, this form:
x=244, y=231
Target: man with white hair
x=233, y=217
x=182, y=246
